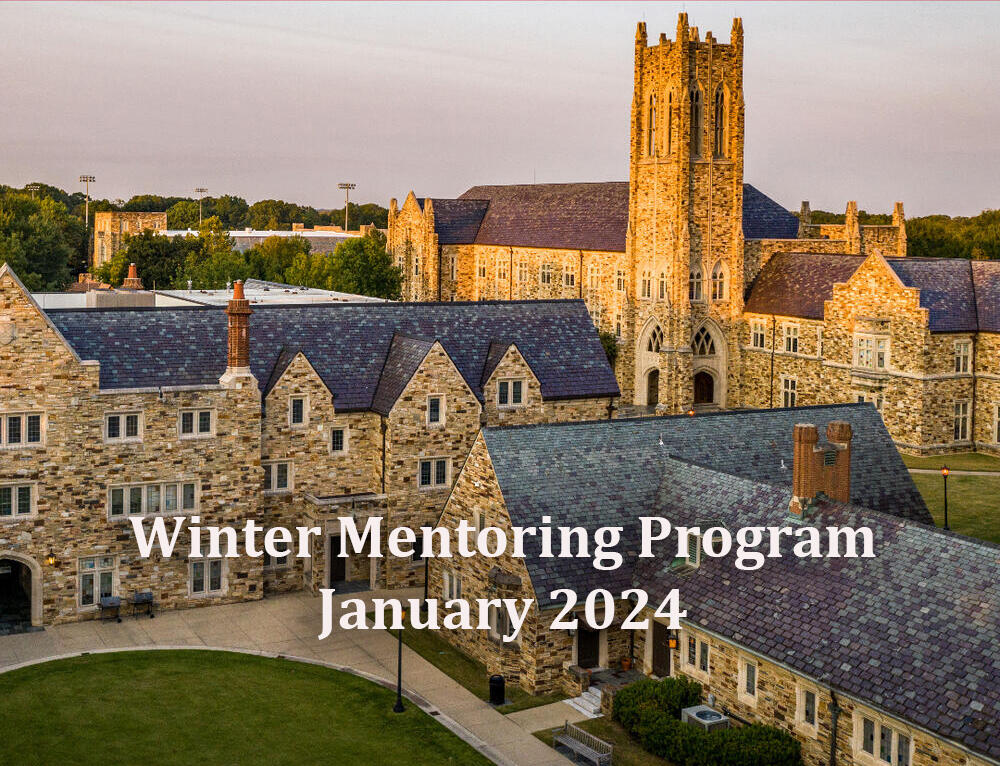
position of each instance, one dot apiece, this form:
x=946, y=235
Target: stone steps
x=588, y=703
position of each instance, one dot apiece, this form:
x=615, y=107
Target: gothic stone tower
x=685, y=238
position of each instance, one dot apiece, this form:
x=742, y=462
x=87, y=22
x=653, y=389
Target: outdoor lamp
x=944, y=477
x=51, y=559
x=691, y=412
x=672, y=642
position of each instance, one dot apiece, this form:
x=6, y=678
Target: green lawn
x=227, y=709
x=964, y=461
x=973, y=503
x=627, y=752
x=468, y=672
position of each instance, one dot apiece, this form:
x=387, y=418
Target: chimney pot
x=132, y=281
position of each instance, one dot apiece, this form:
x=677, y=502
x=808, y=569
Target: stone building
x=672, y=261
x=111, y=226
x=285, y=415
x=891, y=658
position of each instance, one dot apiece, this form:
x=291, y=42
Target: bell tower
x=685, y=237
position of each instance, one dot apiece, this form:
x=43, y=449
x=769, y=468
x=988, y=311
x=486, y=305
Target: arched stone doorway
x=647, y=362
x=20, y=593
x=708, y=345
x=704, y=387
x=653, y=387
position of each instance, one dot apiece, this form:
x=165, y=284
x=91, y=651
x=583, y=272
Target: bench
x=583, y=743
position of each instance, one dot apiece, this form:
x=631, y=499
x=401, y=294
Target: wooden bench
x=583, y=743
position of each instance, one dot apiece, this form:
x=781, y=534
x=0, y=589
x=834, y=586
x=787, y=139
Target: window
x=789, y=392
x=434, y=473
x=297, y=411
x=338, y=440
x=662, y=287
x=452, y=261
x=194, y=424
x=961, y=423
x=805, y=708
x=452, y=588
x=477, y=521
x=871, y=352
x=694, y=285
x=482, y=271
x=510, y=393
x=435, y=410
x=963, y=352
x=655, y=342
x=697, y=656
x=271, y=563
x=593, y=277
x=416, y=265
x=98, y=575
x=500, y=626
x=206, y=578
x=881, y=742
x=17, y=500
x=694, y=552
x=758, y=334
x=123, y=427
x=651, y=128
x=501, y=271
x=877, y=399
x=647, y=285
x=618, y=333
x=522, y=272
x=152, y=498
x=278, y=476
x=720, y=123
x=748, y=682
x=696, y=122
x=620, y=280
x=670, y=122
x=569, y=274
x=718, y=282
x=703, y=344
x=791, y=334
x=703, y=657
x=545, y=275
x=22, y=429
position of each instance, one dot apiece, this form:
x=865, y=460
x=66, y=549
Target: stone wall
x=111, y=227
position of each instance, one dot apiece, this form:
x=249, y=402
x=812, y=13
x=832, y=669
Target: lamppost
x=398, y=707
x=200, y=191
x=347, y=200
x=944, y=475
x=88, y=180
x=423, y=604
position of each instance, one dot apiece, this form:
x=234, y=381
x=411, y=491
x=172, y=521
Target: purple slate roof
x=347, y=344
x=763, y=218
x=946, y=290
x=796, y=284
x=404, y=357
x=986, y=281
x=457, y=221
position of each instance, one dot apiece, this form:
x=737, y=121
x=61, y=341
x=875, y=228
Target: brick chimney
x=132, y=281
x=238, y=355
x=820, y=468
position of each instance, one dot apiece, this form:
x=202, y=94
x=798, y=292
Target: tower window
x=662, y=292
x=651, y=128
x=704, y=344
x=718, y=282
x=655, y=342
x=696, y=122
x=647, y=284
x=720, y=122
x=670, y=122
x=694, y=285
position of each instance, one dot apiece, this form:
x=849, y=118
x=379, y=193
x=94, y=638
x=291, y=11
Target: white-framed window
x=98, y=578
x=593, y=276
x=339, y=440
x=758, y=334
x=501, y=271
x=278, y=476
x=806, y=708
x=274, y=563
x=961, y=421
x=748, y=681
x=435, y=410
x=789, y=391
x=298, y=411
x=207, y=577
x=963, y=356
x=545, y=274
x=719, y=282
x=871, y=352
x=696, y=656
x=510, y=392
x=522, y=272
x=790, y=332
x=18, y=501
x=452, y=585
x=123, y=427
x=878, y=741
x=661, y=282
x=500, y=625
x=569, y=274
x=620, y=280
x=153, y=498
x=196, y=423
x=434, y=473
x=646, y=285
x=22, y=429
x=695, y=292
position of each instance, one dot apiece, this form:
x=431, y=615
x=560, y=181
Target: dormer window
x=298, y=411
x=435, y=410
x=510, y=393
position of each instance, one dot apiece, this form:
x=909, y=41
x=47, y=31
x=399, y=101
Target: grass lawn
x=628, y=752
x=973, y=503
x=468, y=672
x=184, y=707
x=964, y=461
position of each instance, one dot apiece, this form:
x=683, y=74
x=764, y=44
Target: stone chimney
x=238, y=373
x=132, y=281
x=852, y=228
x=820, y=468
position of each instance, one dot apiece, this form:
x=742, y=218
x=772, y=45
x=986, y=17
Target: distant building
x=321, y=239
x=111, y=225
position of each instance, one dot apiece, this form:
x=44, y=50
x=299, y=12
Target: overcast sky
x=874, y=102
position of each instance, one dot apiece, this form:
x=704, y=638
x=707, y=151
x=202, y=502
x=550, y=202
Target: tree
x=311, y=270
x=39, y=239
x=610, y=342
x=183, y=215
x=362, y=265
x=368, y=213
x=272, y=258
x=159, y=260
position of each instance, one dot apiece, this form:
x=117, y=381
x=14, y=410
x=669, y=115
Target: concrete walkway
x=547, y=716
x=288, y=625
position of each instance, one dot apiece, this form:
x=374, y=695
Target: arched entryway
x=647, y=364
x=704, y=387
x=20, y=593
x=708, y=346
x=653, y=387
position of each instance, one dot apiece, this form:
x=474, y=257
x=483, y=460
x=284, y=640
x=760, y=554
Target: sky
x=874, y=102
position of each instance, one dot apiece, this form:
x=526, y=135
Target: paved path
x=953, y=472
x=547, y=716
x=289, y=625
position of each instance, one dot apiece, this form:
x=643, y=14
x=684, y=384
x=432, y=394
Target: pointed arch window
x=719, y=282
x=670, y=122
x=695, y=284
x=720, y=122
x=651, y=128
x=703, y=344
x=655, y=342
x=696, y=122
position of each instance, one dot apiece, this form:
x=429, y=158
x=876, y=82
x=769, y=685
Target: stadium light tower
x=347, y=200
x=200, y=191
x=88, y=180
x=33, y=188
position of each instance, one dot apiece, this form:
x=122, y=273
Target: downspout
x=385, y=428
x=510, y=277
x=834, y=719
x=774, y=333
x=440, y=266
x=580, y=283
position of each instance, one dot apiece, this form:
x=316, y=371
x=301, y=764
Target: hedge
x=650, y=711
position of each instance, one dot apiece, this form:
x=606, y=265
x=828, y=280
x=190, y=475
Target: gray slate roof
x=574, y=216
x=986, y=281
x=402, y=361
x=796, y=284
x=347, y=344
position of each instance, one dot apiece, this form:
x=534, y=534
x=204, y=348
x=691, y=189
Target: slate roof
x=986, y=282
x=347, y=344
x=796, y=284
x=404, y=357
x=574, y=216
x=946, y=290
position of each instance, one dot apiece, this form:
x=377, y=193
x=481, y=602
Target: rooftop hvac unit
x=705, y=717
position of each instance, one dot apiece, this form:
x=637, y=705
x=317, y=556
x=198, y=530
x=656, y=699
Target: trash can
x=498, y=692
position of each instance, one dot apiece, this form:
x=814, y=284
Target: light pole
x=200, y=191
x=944, y=475
x=33, y=188
x=398, y=707
x=88, y=180
x=347, y=200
